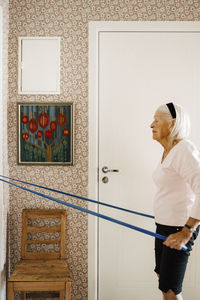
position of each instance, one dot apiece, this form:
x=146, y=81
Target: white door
x=137, y=71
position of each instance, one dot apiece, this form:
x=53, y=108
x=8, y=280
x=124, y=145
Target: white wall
x=1, y=202
x=3, y=142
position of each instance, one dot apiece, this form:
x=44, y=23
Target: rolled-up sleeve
x=187, y=164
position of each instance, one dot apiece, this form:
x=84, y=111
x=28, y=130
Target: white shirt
x=178, y=185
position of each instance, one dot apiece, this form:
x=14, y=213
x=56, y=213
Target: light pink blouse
x=178, y=185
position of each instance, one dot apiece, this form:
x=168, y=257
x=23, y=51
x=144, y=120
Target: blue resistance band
x=159, y=236
x=82, y=198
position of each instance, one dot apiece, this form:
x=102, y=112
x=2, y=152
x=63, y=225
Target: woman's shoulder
x=187, y=145
x=186, y=152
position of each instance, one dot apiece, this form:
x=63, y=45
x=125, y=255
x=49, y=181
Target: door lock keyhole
x=105, y=179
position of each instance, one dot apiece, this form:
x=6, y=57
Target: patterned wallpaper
x=69, y=20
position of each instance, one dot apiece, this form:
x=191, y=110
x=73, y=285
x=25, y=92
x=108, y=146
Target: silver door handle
x=106, y=170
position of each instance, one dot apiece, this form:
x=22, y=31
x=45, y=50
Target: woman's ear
x=172, y=123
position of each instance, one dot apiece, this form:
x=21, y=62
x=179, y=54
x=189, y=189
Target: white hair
x=181, y=128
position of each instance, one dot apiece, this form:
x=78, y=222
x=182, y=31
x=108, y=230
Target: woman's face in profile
x=160, y=127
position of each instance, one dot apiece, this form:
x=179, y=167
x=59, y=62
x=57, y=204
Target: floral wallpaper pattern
x=69, y=20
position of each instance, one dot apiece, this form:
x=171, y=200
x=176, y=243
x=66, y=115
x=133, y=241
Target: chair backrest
x=43, y=233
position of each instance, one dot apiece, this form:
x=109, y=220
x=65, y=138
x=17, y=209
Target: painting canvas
x=45, y=133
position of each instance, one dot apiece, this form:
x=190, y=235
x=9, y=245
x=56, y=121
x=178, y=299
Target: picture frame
x=45, y=133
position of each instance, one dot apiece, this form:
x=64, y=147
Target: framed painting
x=45, y=133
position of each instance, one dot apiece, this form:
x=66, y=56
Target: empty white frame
x=39, y=65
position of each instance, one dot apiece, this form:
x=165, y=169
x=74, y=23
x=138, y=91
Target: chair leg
x=23, y=295
x=62, y=294
x=10, y=291
x=68, y=291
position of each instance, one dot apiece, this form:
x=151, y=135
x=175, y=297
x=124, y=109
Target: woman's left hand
x=178, y=240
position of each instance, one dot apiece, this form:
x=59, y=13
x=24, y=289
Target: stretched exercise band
x=156, y=235
x=82, y=198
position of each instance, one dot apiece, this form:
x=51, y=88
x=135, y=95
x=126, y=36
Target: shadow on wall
x=3, y=282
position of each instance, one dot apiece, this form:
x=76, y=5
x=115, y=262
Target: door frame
x=95, y=29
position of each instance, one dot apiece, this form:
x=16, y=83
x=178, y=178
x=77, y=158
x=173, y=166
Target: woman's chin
x=155, y=138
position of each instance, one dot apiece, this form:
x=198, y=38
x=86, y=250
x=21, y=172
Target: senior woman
x=177, y=200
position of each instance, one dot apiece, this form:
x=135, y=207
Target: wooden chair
x=38, y=270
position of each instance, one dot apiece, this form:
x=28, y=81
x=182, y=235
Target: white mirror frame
x=22, y=89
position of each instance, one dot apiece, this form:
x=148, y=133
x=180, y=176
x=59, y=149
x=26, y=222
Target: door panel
x=138, y=71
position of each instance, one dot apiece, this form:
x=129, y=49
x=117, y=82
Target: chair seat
x=41, y=270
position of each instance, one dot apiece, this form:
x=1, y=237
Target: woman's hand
x=179, y=239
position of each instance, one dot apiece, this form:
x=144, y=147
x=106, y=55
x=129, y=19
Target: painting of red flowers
x=45, y=133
